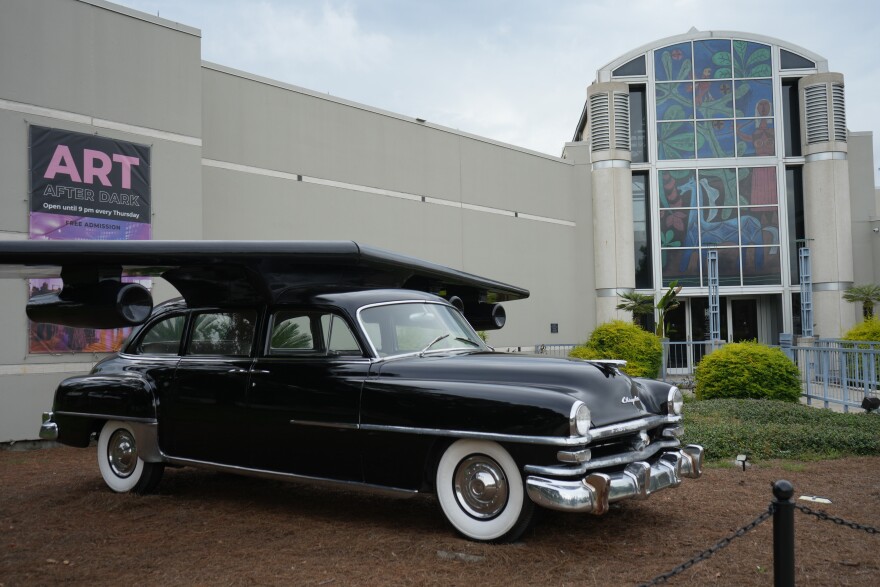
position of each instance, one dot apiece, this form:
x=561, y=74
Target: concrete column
x=611, y=182
x=827, y=201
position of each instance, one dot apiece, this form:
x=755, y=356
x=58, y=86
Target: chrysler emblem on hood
x=632, y=400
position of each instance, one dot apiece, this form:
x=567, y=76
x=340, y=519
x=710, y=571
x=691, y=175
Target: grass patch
x=768, y=429
x=793, y=467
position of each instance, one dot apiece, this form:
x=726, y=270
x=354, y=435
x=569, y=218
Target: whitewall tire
x=481, y=491
x=121, y=467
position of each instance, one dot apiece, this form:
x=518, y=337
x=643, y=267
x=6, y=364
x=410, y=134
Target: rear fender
x=83, y=404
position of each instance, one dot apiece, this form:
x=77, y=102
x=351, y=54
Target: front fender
x=654, y=395
x=467, y=407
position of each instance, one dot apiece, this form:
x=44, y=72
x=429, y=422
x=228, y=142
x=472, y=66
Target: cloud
x=269, y=36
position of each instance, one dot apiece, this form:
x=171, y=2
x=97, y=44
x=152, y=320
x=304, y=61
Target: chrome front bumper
x=49, y=429
x=638, y=480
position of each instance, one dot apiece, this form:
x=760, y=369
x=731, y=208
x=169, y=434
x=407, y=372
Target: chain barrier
x=840, y=521
x=660, y=579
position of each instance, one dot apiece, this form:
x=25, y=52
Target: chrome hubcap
x=481, y=487
x=122, y=453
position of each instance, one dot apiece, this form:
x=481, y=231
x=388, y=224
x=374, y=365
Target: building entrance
x=742, y=318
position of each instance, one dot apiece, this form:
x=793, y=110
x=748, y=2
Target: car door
x=304, y=396
x=205, y=411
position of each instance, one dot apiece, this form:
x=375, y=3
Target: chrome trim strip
x=336, y=425
x=633, y=426
x=540, y=440
x=601, y=463
x=612, y=164
x=826, y=156
x=832, y=286
x=109, y=417
x=275, y=475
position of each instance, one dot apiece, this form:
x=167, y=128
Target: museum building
x=711, y=156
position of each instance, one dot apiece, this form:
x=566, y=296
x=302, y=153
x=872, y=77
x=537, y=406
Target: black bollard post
x=783, y=534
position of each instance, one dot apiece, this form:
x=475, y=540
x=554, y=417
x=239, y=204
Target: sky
x=515, y=71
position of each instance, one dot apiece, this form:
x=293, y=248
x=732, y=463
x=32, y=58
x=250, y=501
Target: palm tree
x=667, y=303
x=868, y=295
x=637, y=303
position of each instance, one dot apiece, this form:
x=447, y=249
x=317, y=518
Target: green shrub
x=856, y=363
x=867, y=330
x=766, y=429
x=747, y=370
x=617, y=339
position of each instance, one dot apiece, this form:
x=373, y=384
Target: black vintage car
x=334, y=362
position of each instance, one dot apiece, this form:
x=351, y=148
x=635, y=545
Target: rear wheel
x=481, y=492
x=121, y=467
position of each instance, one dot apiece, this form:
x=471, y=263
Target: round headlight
x=580, y=419
x=675, y=401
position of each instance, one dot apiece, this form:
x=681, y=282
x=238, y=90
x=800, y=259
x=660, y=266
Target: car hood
x=607, y=392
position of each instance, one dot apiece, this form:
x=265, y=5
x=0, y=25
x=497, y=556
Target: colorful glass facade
x=715, y=162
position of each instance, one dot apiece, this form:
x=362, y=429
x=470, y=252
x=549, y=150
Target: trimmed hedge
x=766, y=429
x=617, y=339
x=747, y=370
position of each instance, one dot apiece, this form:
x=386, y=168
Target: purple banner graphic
x=85, y=187
x=75, y=174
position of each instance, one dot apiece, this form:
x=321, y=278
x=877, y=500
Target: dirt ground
x=60, y=524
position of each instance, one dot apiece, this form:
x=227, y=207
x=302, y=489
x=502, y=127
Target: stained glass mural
x=673, y=63
x=715, y=139
x=675, y=140
x=751, y=60
x=756, y=138
x=729, y=209
x=712, y=58
x=716, y=80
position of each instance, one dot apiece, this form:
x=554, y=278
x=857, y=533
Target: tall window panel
x=794, y=196
x=642, y=230
x=638, y=124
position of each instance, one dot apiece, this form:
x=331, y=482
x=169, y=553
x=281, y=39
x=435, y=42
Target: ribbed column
x=611, y=180
x=827, y=219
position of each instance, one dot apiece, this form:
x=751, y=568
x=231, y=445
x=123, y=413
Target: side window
x=291, y=331
x=223, y=333
x=338, y=338
x=162, y=338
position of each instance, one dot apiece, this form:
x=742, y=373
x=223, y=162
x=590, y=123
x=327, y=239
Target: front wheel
x=121, y=467
x=481, y=492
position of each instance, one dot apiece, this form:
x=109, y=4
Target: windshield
x=417, y=327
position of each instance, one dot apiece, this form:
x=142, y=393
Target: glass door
x=743, y=320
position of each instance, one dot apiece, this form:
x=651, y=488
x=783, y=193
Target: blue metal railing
x=834, y=372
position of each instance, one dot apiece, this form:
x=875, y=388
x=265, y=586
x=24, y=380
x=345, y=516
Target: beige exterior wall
x=864, y=209
x=107, y=70
x=308, y=166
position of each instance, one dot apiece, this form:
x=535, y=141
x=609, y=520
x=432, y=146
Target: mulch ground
x=60, y=524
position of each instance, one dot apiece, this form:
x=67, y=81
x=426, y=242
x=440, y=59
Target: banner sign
x=85, y=187
x=88, y=187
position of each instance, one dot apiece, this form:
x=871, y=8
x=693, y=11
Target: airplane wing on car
x=223, y=272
